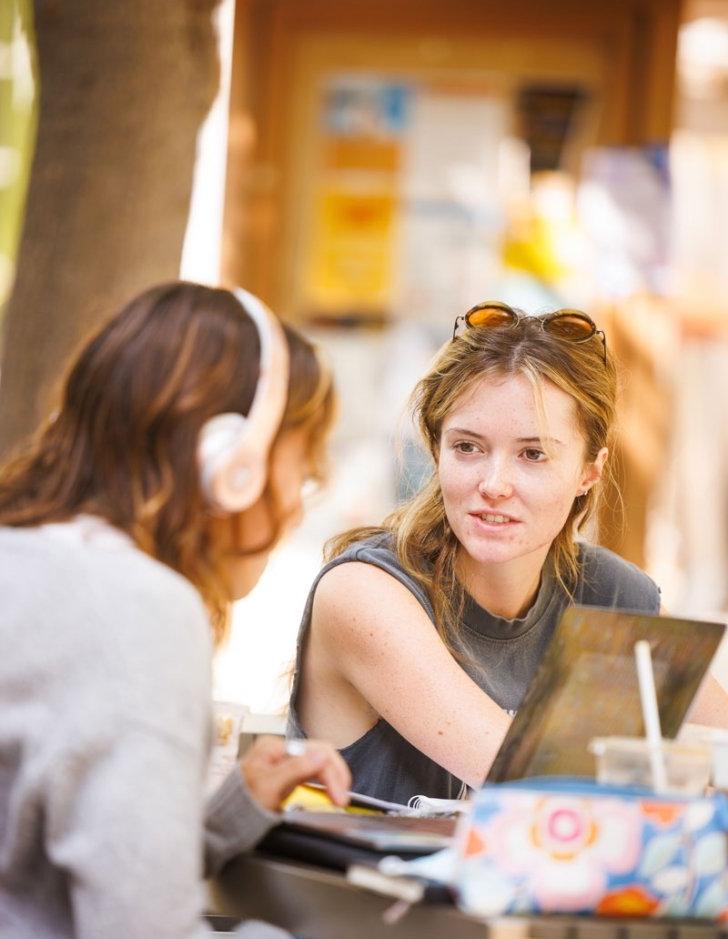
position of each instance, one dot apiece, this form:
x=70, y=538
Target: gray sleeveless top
x=504, y=655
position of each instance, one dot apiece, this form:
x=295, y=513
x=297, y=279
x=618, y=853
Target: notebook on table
x=386, y=833
x=586, y=686
x=337, y=840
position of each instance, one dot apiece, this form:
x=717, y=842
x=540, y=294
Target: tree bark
x=124, y=88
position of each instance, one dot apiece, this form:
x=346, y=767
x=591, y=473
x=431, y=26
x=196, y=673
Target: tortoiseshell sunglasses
x=570, y=325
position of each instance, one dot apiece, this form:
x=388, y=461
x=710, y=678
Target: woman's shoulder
x=376, y=550
x=608, y=580
x=375, y=546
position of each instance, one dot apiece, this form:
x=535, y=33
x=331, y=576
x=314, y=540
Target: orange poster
x=352, y=252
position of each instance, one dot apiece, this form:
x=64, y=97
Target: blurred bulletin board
x=408, y=203
x=349, y=273
x=625, y=208
x=458, y=175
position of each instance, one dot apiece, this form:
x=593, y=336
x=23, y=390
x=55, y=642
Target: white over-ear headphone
x=232, y=449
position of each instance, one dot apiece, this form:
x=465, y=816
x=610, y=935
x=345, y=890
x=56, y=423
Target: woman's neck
x=508, y=589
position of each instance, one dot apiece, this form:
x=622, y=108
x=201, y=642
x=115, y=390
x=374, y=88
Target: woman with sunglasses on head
x=149, y=502
x=420, y=637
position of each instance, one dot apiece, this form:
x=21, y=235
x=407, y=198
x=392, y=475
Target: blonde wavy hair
x=422, y=537
x=122, y=444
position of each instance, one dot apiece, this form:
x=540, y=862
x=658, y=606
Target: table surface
x=314, y=903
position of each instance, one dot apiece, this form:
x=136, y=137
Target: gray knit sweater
x=104, y=734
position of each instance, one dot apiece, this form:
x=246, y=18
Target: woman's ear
x=593, y=471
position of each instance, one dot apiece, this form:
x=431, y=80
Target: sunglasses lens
x=490, y=316
x=572, y=326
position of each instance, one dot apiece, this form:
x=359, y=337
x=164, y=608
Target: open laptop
x=586, y=686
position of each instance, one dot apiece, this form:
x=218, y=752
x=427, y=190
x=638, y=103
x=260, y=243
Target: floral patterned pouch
x=562, y=845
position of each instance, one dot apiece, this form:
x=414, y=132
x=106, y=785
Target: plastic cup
x=625, y=761
x=716, y=738
x=228, y=719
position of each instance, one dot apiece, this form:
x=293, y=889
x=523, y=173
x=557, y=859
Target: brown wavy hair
x=422, y=537
x=122, y=443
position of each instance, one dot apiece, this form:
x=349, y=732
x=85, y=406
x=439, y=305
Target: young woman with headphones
x=151, y=499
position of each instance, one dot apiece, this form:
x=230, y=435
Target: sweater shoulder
x=35, y=566
x=103, y=630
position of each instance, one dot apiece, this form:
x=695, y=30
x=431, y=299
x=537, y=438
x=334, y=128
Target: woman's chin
x=499, y=556
x=487, y=548
x=244, y=574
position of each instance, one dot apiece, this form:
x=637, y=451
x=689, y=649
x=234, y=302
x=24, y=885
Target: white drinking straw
x=650, y=714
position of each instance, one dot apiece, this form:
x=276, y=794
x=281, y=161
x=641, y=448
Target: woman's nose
x=495, y=483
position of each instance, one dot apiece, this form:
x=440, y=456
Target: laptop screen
x=586, y=686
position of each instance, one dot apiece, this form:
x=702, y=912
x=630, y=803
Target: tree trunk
x=124, y=88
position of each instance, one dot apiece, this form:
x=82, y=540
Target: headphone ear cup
x=233, y=449
x=232, y=469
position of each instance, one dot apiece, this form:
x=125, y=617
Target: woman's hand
x=271, y=774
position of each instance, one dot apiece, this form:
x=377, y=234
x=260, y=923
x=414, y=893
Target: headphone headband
x=233, y=448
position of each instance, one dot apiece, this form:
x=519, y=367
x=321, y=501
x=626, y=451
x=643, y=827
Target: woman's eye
x=534, y=455
x=465, y=446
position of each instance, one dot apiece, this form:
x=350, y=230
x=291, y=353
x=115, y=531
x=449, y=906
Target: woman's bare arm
x=710, y=706
x=382, y=656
